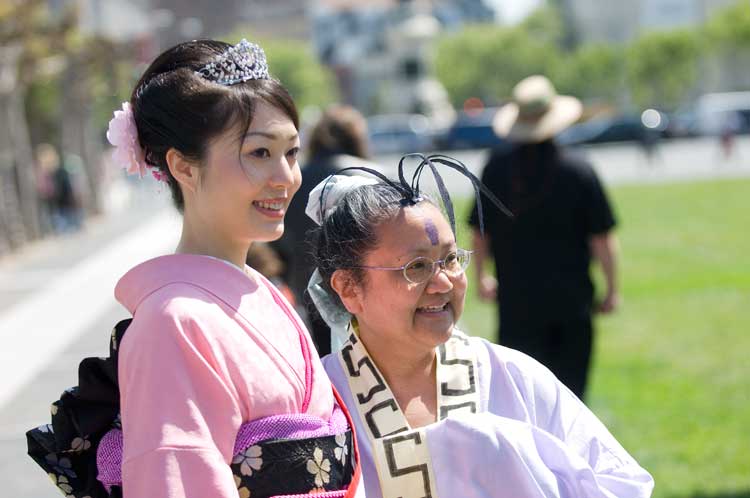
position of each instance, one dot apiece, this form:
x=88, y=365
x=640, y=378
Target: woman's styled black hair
x=348, y=233
x=176, y=108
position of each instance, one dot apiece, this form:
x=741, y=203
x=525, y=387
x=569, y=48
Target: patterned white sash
x=401, y=453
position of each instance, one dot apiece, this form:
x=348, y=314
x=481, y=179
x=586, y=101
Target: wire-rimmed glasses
x=422, y=268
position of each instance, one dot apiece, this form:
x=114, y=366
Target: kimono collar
x=217, y=276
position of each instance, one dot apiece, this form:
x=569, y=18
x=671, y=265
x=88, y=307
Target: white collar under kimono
x=401, y=453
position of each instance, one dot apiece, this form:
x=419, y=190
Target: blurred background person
x=337, y=140
x=66, y=200
x=58, y=190
x=264, y=258
x=729, y=126
x=562, y=219
x=47, y=161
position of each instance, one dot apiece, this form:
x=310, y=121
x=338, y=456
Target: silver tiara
x=242, y=62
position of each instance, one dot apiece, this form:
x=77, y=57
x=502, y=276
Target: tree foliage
x=662, y=67
x=546, y=23
x=731, y=27
x=592, y=72
x=657, y=68
x=487, y=61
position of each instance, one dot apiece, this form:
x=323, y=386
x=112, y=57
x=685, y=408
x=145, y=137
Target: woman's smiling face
x=402, y=313
x=248, y=181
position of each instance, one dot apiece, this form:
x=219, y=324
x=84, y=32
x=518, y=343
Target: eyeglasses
x=421, y=269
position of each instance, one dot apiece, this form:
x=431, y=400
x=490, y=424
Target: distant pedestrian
x=542, y=255
x=266, y=260
x=729, y=126
x=66, y=199
x=47, y=162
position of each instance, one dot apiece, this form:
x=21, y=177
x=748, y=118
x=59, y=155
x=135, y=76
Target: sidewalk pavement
x=57, y=307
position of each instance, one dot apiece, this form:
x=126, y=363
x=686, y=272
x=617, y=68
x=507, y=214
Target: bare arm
x=604, y=248
x=486, y=283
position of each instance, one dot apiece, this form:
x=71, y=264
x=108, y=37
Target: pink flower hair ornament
x=128, y=154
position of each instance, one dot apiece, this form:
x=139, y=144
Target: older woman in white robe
x=438, y=413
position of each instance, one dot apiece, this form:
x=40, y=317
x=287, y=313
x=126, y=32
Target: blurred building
x=158, y=24
x=117, y=20
x=381, y=50
x=615, y=21
x=262, y=18
x=277, y=19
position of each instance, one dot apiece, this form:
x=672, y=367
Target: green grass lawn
x=671, y=372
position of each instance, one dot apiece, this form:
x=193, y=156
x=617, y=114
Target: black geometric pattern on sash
x=356, y=371
x=389, y=445
x=445, y=410
x=370, y=418
x=447, y=391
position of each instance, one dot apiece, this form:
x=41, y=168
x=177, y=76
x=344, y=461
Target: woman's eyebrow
x=270, y=136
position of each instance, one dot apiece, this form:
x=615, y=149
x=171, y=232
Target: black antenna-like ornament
x=411, y=192
x=476, y=183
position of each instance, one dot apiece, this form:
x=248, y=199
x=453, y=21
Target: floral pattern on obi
x=300, y=466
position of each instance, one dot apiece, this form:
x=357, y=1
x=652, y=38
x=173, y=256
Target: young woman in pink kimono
x=221, y=393
x=439, y=413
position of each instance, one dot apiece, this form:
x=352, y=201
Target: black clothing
x=296, y=246
x=542, y=255
x=66, y=448
x=64, y=196
x=561, y=344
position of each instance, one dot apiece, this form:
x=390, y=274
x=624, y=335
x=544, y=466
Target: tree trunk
x=12, y=230
x=92, y=161
x=19, y=201
x=24, y=162
x=78, y=135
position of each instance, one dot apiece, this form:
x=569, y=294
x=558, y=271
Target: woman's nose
x=439, y=281
x=284, y=173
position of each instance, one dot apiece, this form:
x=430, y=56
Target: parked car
x=470, y=131
x=399, y=134
x=621, y=128
x=712, y=114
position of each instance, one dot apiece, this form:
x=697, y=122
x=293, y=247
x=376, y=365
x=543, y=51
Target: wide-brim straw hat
x=536, y=112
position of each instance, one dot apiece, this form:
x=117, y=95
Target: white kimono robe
x=507, y=428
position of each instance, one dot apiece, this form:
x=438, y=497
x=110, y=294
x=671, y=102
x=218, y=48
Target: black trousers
x=562, y=345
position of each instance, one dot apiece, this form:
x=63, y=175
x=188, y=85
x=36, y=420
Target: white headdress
x=323, y=200
x=327, y=194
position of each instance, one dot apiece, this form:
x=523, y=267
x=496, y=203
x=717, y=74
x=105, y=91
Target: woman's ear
x=348, y=291
x=185, y=171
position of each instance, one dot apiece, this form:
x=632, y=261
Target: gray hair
x=348, y=234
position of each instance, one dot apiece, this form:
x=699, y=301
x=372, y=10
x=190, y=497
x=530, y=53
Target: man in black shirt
x=561, y=219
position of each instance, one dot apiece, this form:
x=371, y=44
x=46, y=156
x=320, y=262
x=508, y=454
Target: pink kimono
x=210, y=347
x=219, y=394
